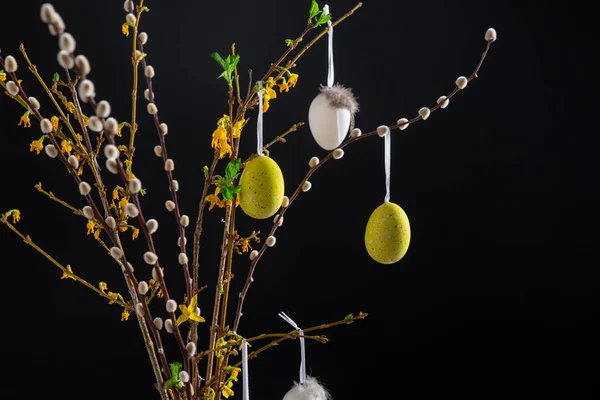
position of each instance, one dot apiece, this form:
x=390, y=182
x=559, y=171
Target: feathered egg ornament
x=331, y=113
x=262, y=184
x=311, y=389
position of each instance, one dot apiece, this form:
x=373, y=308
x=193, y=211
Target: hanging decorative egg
x=388, y=233
x=331, y=116
x=262, y=189
x=311, y=389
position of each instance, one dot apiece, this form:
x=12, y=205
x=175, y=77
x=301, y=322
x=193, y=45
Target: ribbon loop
x=330, y=69
x=259, y=122
x=302, y=348
x=246, y=389
x=388, y=162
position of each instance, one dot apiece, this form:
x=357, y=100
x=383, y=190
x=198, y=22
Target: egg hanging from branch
x=331, y=116
x=310, y=389
x=388, y=233
x=262, y=187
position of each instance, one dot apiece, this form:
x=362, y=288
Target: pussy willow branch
x=174, y=197
x=312, y=170
x=27, y=239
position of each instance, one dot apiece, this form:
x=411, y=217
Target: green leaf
x=171, y=382
x=55, y=77
x=289, y=42
x=237, y=189
x=323, y=19
x=175, y=369
x=349, y=316
x=314, y=10
x=227, y=193
x=205, y=170
x=143, y=192
x=219, y=60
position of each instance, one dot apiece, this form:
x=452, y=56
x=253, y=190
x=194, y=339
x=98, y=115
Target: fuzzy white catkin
x=87, y=89
x=169, y=325
x=156, y=273
x=183, y=375
x=65, y=60
x=139, y=309
x=110, y=221
x=171, y=306
x=132, y=210
x=10, y=64
x=179, y=241
x=135, y=185
x=190, y=349
x=129, y=265
x=169, y=165
x=338, y=153
x=34, y=103
x=164, y=128
x=253, y=255
x=150, y=258
x=278, y=220
x=169, y=205
x=147, y=94
x=174, y=186
x=103, y=109
x=138, y=54
x=355, y=132
x=403, y=122
x=183, y=258
x=271, y=240
x=152, y=109
x=314, y=162
x=46, y=125
x=424, y=112
x=491, y=35
x=84, y=188
x=443, y=101
x=143, y=287
x=88, y=212
x=143, y=37
x=51, y=151
x=112, y=166
x=111, y=126
x=461, y=82
x=73, y=161
x=83, y=65
x=12, y=88
x=158, y=323
x=306, y=186
x=382, y=130
x=116, y=253
x=128, y=6
x=152, y=225
x=149, y=71
x=184, y=220
x=47, y=13
x=130, y=18
x=286, y=202
x=111, y=151
x=95, y=124
x=66, y=42
x=158, y=150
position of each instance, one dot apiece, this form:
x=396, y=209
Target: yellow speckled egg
x=262, y=188
x=388, y=233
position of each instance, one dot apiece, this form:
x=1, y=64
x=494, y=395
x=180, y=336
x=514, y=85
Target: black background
x=498, y=285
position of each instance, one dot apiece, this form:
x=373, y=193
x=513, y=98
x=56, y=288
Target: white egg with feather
x=310, y=389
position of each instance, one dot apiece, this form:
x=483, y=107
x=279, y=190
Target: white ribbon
x=302, y=350
x=330, y=70
x=388, y=162
x=246, y=389
x=259, y=121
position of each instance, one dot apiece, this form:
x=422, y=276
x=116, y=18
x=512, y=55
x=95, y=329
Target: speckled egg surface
x=262, y=188
x=388, y=233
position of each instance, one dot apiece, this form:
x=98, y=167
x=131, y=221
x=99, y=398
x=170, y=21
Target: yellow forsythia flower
x=90, y=226
x=125, y=315
x=227, y=390
x=293, y=79
x=237, y=128
x=136, y=233
x=283, y=87
x=2, y=76
x=54, y=121
x=102, y=286
x=25, y=120
x=220, y=142
x=71, y=107
x=37, y=145
x=65, y=147
x=125, y=29
x=16, y=216
x=189, y=312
